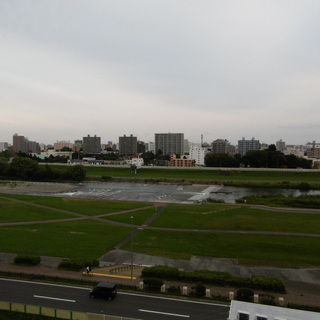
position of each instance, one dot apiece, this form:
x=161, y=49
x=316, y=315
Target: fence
x=56, y=313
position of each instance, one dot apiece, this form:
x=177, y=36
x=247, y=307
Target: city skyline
x=219, y=69
x=118, y=141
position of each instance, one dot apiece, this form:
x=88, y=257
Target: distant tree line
x=268, y=158
x=23, y=168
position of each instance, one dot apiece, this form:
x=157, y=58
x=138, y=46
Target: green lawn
x=84, y=239
x=207, y=175
x=90, y=207
x=139, y=217
x=90, y=239
x=284, y=251
x=11, y=211
x=233, y=217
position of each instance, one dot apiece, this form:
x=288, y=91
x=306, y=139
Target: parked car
x=104, y=290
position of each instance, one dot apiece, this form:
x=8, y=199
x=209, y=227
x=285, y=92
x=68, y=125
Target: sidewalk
x=297, y=292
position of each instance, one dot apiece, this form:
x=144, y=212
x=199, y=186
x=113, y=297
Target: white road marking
x=53, y=298
x=165, y=313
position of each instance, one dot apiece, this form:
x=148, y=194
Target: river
x=170, y=193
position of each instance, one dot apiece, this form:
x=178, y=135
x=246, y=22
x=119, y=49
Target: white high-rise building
x=197, y=153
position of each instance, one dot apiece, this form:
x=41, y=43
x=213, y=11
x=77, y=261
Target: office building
x=128, y=145
x=169, y=143
x=91, y=144
x=248, y=145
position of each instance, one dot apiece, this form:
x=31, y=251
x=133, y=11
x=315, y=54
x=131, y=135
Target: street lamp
x=131, y=249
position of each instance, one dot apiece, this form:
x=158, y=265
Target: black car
x=104, y=290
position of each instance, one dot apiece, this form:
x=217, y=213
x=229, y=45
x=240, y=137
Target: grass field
x=84, y=206
x=14, y=212
x=233, y=217
x=206, y=174
x=91, y=239
x=84, y=239
x=280, y=251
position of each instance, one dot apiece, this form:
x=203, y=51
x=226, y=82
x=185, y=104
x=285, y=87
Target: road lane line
x=165, y=313
x=53, y=298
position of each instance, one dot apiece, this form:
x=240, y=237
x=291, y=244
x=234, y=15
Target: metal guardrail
x=56, y=313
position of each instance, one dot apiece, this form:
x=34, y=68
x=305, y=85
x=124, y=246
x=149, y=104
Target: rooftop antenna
x=201, y=140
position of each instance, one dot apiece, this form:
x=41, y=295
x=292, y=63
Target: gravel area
x=30, y=187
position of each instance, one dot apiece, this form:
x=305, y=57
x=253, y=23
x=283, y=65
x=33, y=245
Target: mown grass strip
x=85, y=239
x=233, y=217
x=11, y=211
x=91, y=207
x=284, y=251
x=207, y=174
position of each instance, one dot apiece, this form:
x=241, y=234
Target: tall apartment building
x=141, y=147
x=169, y=143
x=128, y=145
x=248, y=145
x=19, y=143
x=22, y=144
x=220, y=146
x=91, y=144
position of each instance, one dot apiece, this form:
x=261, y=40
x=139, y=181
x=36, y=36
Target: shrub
x=153, y=284
x=244, y=294
x=267, y=300
x=162, y=272
x=305, y=186
x=200, y=290
x=27, y=260
x=174, y=290
x=267, y=283
x=216, y=278
x=77, y=264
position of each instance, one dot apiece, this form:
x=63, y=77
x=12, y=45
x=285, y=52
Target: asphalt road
x=126, y=304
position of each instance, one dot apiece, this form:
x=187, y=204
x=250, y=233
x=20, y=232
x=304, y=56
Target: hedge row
x=27, y=260
x=77, y=264
x=217, y=278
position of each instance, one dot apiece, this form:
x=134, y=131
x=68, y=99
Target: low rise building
x=174, y=162
x=240, y=310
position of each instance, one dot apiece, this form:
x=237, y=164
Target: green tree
x=23, y=168
x=4, y=166
x=221, y=160
x=76, y=173
x=148, y=157
x=256, y=158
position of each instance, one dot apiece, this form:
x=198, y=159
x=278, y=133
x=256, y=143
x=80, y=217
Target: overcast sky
x=225, y=69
